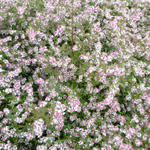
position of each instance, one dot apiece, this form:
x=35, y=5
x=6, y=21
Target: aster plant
x=74, y=75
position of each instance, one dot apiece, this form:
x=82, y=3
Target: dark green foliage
x=86, y=26
x=102, y=112
x=106, y=47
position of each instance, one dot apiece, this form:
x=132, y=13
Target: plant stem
x=72, y=27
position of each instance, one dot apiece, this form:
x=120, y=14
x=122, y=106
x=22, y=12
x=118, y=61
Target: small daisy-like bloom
x=138, y=142
x=8, y=90
x=19, y=120
x=53, y=148
x=1, y=114
x=17, y=85
x=73, y=117
x=59, y=30
x=145, y=136
x=1, y=70
x=40, y=81
x=75, y=48
x=6, y=111
x=41, y=147
x=21, y=10
x=29, y=136
x=98, y=47
x=31, y=34
x=42, y=103
x=5, y=130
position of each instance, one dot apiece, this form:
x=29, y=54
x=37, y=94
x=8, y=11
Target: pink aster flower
x=138, y=142
x=41, y=147
x=42, y=103
x=59, y=30
x=6, y=111
x=75, y=48
x=31, y=34
x=40, y=81
x=21, y=10
x=17, y=85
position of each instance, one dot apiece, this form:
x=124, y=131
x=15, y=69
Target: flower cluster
x=38, y=127
x=74, y=74
x=74, y=103
x=58, y=116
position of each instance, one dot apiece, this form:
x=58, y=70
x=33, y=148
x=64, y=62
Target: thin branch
x=72, y=27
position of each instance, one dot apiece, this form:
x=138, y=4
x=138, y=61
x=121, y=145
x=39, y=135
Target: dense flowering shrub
x=74, y=75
